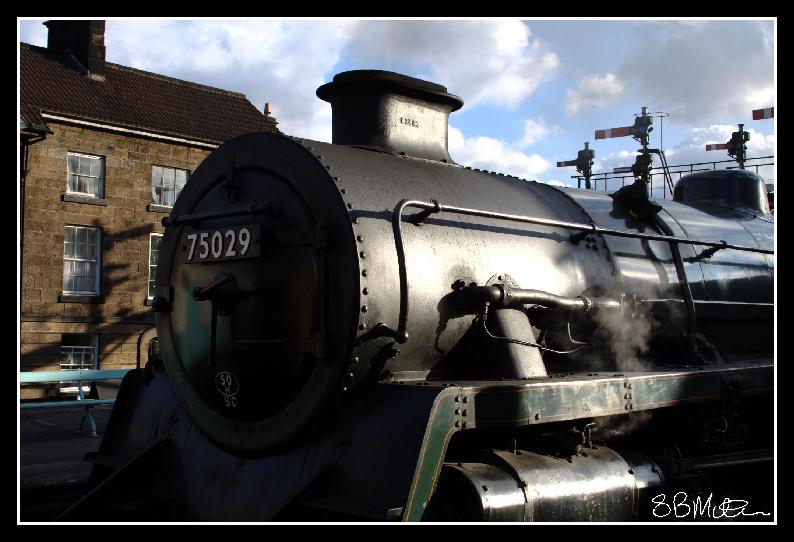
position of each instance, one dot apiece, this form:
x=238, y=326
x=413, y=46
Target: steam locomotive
x=368, y=331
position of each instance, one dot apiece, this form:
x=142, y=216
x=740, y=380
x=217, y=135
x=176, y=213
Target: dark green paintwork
x=495, y=404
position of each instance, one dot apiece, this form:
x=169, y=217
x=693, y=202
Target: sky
x=534, y=90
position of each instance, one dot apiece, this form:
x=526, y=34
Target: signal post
x=583, y=163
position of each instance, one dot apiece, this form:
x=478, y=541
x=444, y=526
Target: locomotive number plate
x=232, y=243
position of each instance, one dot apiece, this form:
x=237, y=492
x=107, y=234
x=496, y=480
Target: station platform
x=52, y=444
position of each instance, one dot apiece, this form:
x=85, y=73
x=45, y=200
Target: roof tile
x=134, y=98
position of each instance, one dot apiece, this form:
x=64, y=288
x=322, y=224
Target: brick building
x=105, y=150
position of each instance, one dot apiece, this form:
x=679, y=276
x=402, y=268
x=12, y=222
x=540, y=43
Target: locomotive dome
x=734, y=188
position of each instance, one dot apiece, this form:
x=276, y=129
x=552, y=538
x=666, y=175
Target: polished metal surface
x=312, y=318
x=597, y=485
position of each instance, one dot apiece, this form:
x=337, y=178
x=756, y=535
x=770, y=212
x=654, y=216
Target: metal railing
x=79, y=376
x=680, y=170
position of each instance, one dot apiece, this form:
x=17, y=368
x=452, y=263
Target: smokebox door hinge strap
x=254, y=209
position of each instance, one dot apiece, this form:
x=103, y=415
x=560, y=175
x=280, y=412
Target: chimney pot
x=268, y=112
x=390, y=112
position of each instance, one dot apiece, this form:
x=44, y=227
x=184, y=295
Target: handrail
x=401, y=333
x=74, y=375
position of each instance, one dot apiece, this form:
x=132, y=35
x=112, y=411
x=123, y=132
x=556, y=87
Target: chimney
x=390, y=112
x=85, y=40
x=268, y=112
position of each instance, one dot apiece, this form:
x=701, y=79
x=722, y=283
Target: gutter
x=122, y=130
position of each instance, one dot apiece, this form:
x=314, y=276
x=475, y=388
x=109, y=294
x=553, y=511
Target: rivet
x=362, y=254
x=484, y=487
x=355, y=359
x=349, y=205
x=465, y=399
x=343, y=191
x=363, y=308
x=463, y=425
x=328, y=167
x=354, y=220
x=364, y=273
x=319, y=156
x=626, y=407
x=457, y=411
x=350, y=376
x=362, y=326
x=457, y=398
x=464, y=412
x=365, y=291
x=537, y=416
x=457, y=424
x=336, y=179
x=359, y=238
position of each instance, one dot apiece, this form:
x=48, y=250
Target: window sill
x=87, y=299
x=154, y=208
x=77, y=198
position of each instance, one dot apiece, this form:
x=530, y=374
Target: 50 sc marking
x=230, y=243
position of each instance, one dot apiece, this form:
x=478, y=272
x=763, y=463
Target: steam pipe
x=472, y=298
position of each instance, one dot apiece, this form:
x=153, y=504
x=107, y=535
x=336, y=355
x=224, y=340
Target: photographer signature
x=681, y=508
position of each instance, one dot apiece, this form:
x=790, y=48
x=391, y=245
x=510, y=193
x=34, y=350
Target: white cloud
x=283, y=62
x=256, y=58
x=536, y=130
x=495, y=155
x=493, y=61
x=33, y=32
x=698, y=73
x=594, y=91
x=613, y=160
x=693, y=148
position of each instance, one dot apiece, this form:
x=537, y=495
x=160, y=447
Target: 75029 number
x=221, y=244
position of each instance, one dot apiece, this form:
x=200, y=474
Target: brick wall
x=125, y=223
